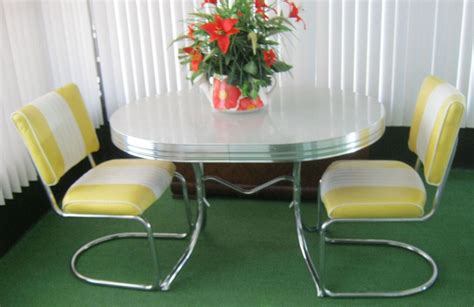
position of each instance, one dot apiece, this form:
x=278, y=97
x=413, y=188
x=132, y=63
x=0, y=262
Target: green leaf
x=195, y=75
x=279, y=20
x=227, y=59
x=274, y=31
x=251, y=68
x=269, y=42
x=245, y=89
x=209, y=55
x=233, y=78
x=277, y=29
x=281, y=67
x=253, y=38
x=179, y=38
x=203, y=15
x=254, y=94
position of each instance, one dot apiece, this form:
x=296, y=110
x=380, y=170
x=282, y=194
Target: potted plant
x=233, y=46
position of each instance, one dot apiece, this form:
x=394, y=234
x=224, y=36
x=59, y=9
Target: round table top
x=299, y=124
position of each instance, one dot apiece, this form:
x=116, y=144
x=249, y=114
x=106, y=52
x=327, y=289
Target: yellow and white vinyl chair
x=58, y=134
x=392, y=191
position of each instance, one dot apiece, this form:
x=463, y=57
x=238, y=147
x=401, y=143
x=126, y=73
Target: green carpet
x=247, y=256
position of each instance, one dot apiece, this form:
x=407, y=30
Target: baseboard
x=394, y=146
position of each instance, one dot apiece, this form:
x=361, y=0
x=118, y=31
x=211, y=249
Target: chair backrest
x=58, y=132
x=438, y=115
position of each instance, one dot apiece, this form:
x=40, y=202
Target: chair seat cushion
x=372, y=189
x=119, y=187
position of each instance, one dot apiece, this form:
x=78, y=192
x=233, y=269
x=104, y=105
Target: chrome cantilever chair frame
x=157, y=282
x=323, y=239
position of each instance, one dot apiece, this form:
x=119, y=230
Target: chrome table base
x=295, y=179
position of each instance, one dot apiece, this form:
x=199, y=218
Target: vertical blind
x=379, y=48
x=134, y=40
x=43, y=45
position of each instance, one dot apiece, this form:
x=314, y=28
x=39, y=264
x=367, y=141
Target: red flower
x=191, y=31
x=260, y=4
x=260, y=7
x=209, y=1
x=269, y=57
x=225, y=96
x=294, y=12
x=220, y=30
x=196, y=57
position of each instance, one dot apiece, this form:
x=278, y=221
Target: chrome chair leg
x=157, y=284
x=321, y=261
x=151, y=242
x=148, y=234
x=189, y=250
x=326, y=292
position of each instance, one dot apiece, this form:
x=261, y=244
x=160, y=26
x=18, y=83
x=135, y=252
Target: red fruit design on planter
x=225, y=96
x=247, y=104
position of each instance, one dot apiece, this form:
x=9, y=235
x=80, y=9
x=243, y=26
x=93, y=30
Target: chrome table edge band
x=250, y=153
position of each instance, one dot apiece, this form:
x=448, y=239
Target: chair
x=58, y=134
x=392, y=191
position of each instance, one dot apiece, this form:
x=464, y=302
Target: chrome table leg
x=201, y=191
x=300, y=230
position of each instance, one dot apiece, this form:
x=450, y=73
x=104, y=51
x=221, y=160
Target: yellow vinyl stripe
x=41, y=143
x=389, y=211
x=115, y=199
x=374, y=201
x=72, y=96
x=429, y=84
x=442, y=139
x=435, y=133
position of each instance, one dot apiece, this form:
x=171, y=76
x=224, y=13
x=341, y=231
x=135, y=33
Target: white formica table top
x=299, y=124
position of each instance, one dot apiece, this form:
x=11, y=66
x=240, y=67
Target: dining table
x=300, y=123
